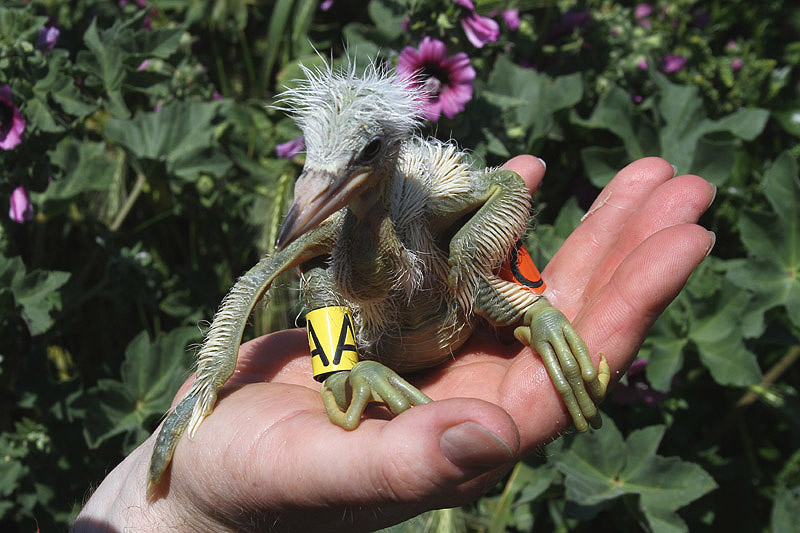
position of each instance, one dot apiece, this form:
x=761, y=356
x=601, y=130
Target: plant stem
x=129, y=201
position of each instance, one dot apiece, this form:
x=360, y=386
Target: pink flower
x=11, y=123
x=642, y=11
x=673, y=63
x=326, y=5
x=20, y=208
x=48, y=36
x=736, y=64
x=291, y=148
x=642, y=64
x=447, y=80
x=511, y=18
x=143, y=65
x=480, y=30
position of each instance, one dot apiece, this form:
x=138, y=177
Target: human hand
x=268, y=457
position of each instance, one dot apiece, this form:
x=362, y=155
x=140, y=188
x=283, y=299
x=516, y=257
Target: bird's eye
x=371, y=150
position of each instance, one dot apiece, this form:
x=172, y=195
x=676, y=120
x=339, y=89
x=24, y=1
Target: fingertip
x=456, y=439
x=530, y=168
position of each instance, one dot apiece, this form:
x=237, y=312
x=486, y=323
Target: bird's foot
x=347, y=393
x=580, y=384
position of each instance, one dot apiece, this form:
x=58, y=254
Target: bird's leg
x=567, y=360
x=217, y=357
x=347, y=393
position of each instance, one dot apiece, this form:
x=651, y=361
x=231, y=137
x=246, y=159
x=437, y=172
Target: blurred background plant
x=144, y=171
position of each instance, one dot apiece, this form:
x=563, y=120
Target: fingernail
x=713, y=242
x=713, y=195
x=542, y=162
x=470, y=445
x=674, y=170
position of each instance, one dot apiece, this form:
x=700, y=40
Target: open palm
x=268, y=457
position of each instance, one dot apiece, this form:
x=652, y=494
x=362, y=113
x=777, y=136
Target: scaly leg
x=566, y=357
x=217, y=357
x=347, y=393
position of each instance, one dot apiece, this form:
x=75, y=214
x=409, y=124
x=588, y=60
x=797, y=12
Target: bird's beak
x=317, y=195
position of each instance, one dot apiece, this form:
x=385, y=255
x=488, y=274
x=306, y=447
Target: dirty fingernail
x=470, y=445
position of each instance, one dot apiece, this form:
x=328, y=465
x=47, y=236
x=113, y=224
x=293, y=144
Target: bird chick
x=403, y=232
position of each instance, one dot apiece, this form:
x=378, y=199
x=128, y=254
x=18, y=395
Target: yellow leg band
x=332, y=340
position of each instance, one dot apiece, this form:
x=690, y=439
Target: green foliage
x=603, y=467
x=149, y=154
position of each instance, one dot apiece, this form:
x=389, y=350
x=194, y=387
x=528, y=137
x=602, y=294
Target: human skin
x=268, y=458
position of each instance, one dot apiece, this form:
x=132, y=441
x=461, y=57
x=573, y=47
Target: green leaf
x=773, y=240
x=38, y=297
x=36, y=292
x=664, y=360
x=602, y=164
x=177, y=134
x=86, y=167
x=614, y=112
x=716, y=332
x=151, y=373
x=789, y=118
x=529, y=97
x=61, y=87
x=107, y=54
x=18, y=25
x=157, y=43
x=601, y=466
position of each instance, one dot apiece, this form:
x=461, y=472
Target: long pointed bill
x=317, y=195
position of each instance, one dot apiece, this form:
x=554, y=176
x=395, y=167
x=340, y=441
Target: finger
x=616, y=318
x=530, y=168
x=569, y=271
x=680, y=200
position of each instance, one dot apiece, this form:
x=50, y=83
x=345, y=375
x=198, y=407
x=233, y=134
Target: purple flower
x=642, y=11
x=511, y=18
x=480, y=30
x=143, y=65
x=11, y=123
x=326, y=5
x=216, y=95
x=48, y=36
x=636, y=98
x=291, y=148
x=637, y=389
x=446, y=80
x=20, y=208
x=736, y=64
x=642, y=64
x=673, y=63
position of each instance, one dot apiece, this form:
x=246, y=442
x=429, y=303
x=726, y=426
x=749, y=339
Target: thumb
x=447, y=452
